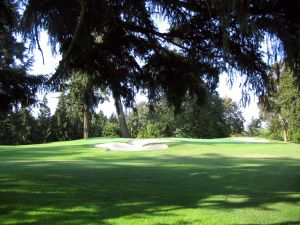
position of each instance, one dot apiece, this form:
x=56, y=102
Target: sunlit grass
x=216, y=181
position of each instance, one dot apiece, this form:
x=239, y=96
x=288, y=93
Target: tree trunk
x=121, y=116
x=285, y=134
x=85, y=122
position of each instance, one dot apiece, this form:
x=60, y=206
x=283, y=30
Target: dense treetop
x=119, y=45
x=16, y=86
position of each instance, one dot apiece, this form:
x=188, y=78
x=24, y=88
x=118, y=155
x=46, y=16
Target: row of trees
x=67, y=123
x=216, y=118
x=116, y=47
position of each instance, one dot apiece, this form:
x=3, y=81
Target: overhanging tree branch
x=37, y=37
x=71, y=47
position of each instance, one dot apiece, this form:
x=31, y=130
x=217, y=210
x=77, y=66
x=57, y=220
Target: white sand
x=251, y=139
x=136, y=145
x=157, y=144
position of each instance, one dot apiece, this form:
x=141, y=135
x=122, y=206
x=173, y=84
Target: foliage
x=67, y=121
x=233, y=117
x=85, y=96
x=111, y=129
x=118, y=47
x=215, y=118
x=149, y=131
x=17, y=87
x=44, y=121
x=97, y=124
x=21, y=127
x=82, y=92
x=119, y=43
x=254, y=126
x=205, y=120
x=283, y=114
x=137, y=119
x=109, y=126
x=145, y=123
x=18, y=128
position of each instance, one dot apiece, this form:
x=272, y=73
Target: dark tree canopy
x=16, y=86
x=119, y=44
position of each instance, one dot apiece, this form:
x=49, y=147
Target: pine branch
x=37, y=38
x=71, y=47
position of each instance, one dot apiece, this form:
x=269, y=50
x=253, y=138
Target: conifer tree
x=17, y=87
x=44, y=120
x=119, y=43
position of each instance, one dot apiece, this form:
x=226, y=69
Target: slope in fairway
x=216, y=181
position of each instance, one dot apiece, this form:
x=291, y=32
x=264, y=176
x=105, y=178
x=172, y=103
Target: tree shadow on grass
x=95, y=191
x=283, y=223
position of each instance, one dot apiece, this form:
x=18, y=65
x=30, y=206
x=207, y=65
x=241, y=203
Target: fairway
x=194, y=181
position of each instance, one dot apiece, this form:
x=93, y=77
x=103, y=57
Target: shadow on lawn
x=284, y=223
x=93, y=191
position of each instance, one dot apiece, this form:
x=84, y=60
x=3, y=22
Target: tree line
x=116, y=47
x=216, y=118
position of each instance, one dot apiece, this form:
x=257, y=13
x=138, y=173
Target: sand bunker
x=136, y=145
x=250, y=139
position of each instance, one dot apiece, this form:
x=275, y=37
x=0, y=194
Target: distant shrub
x=295, y=137
x=111, y=130
x=150, y=131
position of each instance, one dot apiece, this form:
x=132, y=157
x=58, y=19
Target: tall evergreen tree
x=109, y=39
x=16, y=86
x=98, y=122
x=84, y=95
x=59, y=121
x=203, y=121
x=233, y=116
x=44, y=120
x=283, y=114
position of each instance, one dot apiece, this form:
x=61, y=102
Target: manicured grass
x=192, y=182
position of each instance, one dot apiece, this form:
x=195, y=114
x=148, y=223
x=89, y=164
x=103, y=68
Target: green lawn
x=192, y=182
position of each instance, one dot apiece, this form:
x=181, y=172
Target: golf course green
x=194, y=181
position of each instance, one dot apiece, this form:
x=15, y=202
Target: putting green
x=194, y=181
